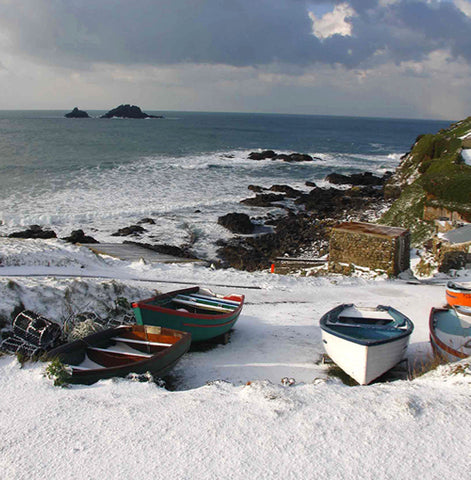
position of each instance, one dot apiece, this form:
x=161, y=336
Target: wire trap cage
x=36, y=329
x=15, y=345
x=33, y=335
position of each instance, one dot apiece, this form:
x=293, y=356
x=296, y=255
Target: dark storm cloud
x=236, y=32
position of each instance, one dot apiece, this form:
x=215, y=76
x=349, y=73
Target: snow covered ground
x=229, y=415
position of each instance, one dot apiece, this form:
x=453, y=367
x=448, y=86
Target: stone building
x=370, y=245
x=453, y=249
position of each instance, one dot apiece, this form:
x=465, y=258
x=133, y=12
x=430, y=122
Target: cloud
x=333, y=23
x=240, y=32
x=357, y=57
x=464, y=6
x=79, y=33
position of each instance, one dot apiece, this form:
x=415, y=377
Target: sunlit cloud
x=333, y=23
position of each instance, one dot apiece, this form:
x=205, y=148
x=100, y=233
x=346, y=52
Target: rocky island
x=128, y=111
x=76, y=113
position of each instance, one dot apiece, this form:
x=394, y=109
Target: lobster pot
x=14, y=345
x=36, y=329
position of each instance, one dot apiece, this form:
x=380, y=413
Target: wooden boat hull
x=117, y=352
x=199, y=316
x=450, y=334
x=365, y=350
x=458, y=294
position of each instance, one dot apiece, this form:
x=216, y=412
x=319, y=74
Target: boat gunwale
x=457, y=287
x=402, y=333
x=145, y=305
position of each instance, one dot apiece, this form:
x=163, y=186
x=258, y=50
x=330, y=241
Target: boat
x=365, y=342
x=450, y=333
x=458, y=294
x=117, y=352
x=199, y=311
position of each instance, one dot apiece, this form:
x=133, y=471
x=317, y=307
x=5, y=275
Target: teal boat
x=199, y=311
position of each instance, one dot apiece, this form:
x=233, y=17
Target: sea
x=183, y=171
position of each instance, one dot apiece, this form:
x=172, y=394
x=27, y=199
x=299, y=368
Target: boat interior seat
x=362, y=321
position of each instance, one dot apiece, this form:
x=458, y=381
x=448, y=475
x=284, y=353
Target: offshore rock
x=299, y=157
x=34, y=231
x=131, y=230
x=78, y=236
x=270, y=154
x=237, y=223
x=262, y=155
x=76, y=113
x=128, y=111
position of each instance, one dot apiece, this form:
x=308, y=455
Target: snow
x=466, y=154
x=229, y=414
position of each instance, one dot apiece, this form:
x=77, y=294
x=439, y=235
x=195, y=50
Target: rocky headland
x=433, y=181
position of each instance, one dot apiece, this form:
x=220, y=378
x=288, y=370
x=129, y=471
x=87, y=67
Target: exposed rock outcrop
x=305, y=227
x=237, y=223
x=78, y=236
x=165, y=249
x=131, y=230
x=34, y=231
x=270, y=154
x=366, y=178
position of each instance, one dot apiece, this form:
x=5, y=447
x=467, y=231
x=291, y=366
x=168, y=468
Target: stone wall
x=388, y=253
x=435, y=213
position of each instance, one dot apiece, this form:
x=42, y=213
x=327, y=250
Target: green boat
x=199, y=311
x=119, y=351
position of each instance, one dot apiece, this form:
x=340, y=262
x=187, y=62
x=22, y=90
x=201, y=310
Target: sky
x=386, y=58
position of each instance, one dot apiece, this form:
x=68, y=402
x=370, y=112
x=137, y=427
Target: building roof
x=459, y=235
x=371, y=229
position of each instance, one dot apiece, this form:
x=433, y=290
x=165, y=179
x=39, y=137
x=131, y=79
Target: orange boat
x=458, y=294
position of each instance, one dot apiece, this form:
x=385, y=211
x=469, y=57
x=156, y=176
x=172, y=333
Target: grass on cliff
x=407, y=212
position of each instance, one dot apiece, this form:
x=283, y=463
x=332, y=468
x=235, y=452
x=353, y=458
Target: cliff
x=432, y=181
